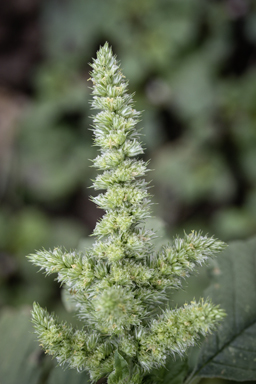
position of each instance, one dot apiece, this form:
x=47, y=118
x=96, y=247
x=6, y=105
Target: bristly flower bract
x=118, y=283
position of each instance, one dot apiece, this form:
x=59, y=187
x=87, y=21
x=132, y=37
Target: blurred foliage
x=192, y=65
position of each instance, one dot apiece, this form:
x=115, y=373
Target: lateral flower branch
x=120, y=282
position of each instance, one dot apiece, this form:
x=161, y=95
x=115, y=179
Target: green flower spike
x=118, y=283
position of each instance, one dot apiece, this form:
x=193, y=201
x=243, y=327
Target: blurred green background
x=192, y=66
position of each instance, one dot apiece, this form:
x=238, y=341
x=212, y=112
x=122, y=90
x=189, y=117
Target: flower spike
x=118, y=283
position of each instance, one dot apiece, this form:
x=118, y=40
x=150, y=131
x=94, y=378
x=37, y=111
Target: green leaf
x=174, y=372
x=20, y=360
x=121, y=370
x=230, y=353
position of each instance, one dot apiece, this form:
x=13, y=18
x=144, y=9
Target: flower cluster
x=120, y=282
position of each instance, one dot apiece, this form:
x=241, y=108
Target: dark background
x=192, y=66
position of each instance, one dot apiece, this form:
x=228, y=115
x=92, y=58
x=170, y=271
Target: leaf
x=230, y=353
x=121, y=370
x=174, y=372
x=69, y=376
x=19, y=353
